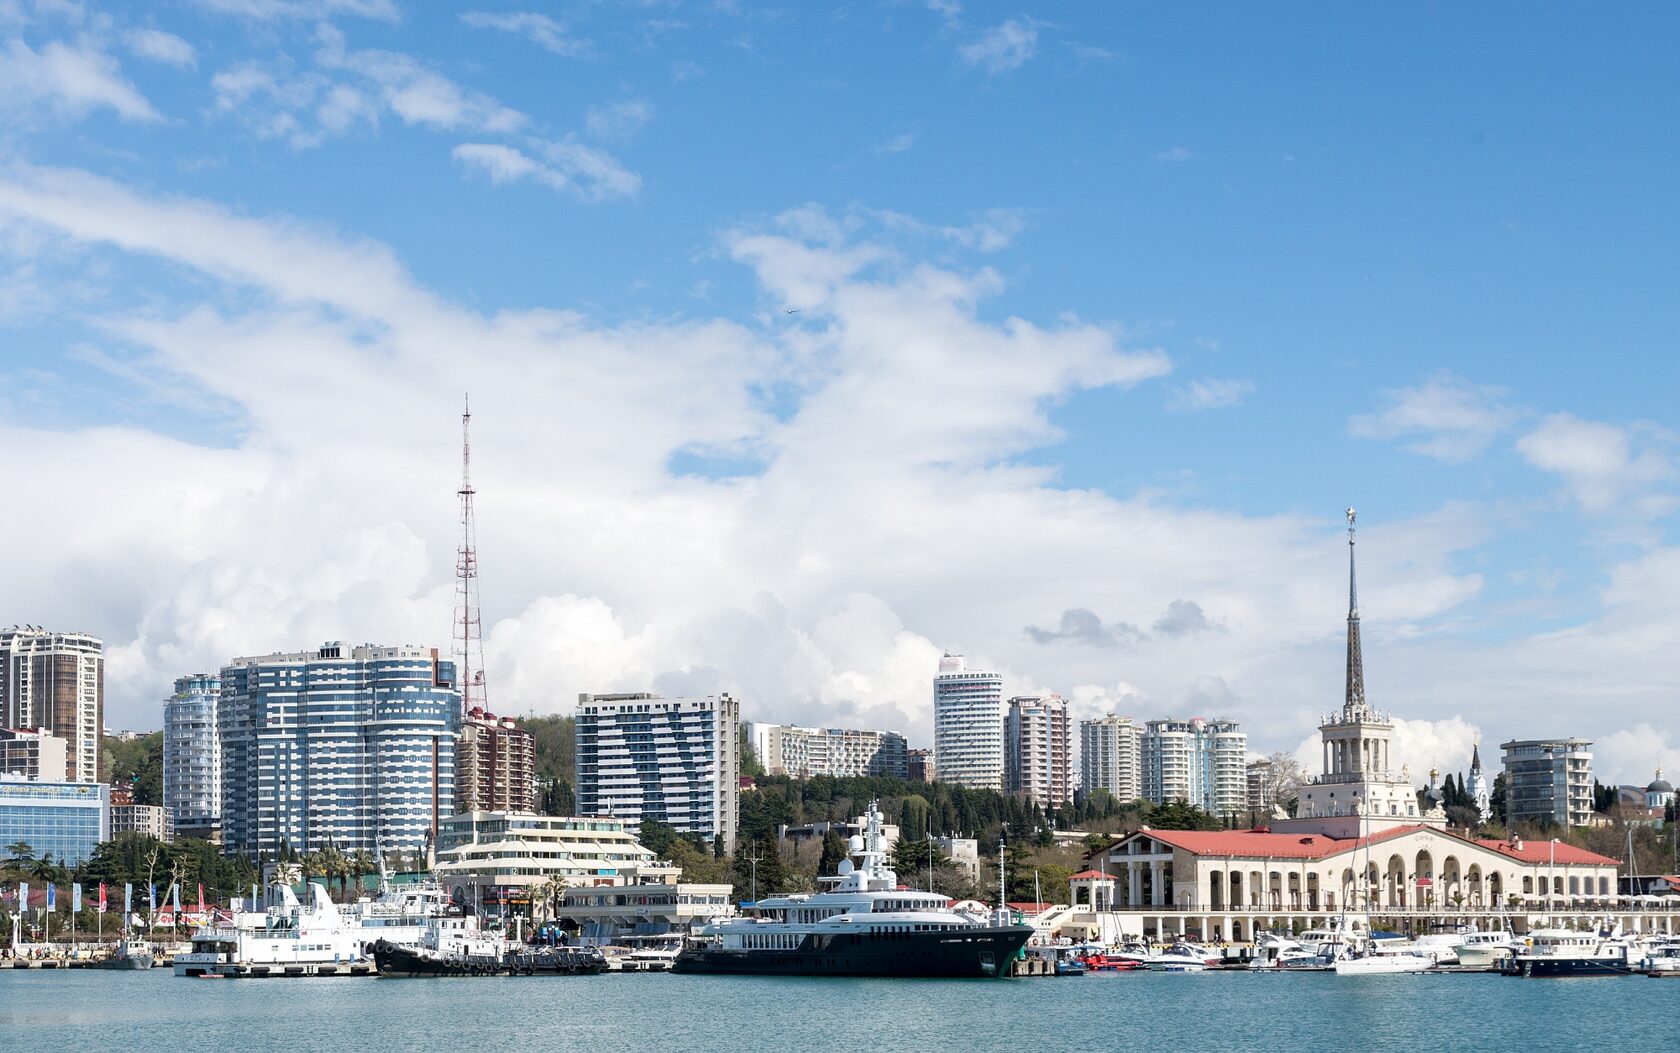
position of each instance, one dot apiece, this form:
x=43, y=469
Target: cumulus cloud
x=539, y=29
x=1002, y=48
x=67, y=81
x=1446, y=418
x=1082, y=626
x=565, y=166
x=163, y=47
x=1604, y=466
x=1183, y=618
x=1211, y=393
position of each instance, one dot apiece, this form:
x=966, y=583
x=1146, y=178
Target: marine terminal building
x=1359, y=842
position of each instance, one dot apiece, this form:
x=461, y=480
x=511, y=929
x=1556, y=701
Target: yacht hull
x=959, y=954
x=408, y=963
x=1543, y=967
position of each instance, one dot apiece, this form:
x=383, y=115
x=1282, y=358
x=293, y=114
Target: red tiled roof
x=1086, y=875
x=1030, y=908
x=1275, y=846
x=1548, y=852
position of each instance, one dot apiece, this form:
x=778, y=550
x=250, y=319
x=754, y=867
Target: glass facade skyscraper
x=62, y=819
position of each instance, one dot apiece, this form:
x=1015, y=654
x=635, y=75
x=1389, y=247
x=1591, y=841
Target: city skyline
x=788, y=407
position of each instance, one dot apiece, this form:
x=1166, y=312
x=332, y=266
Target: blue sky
x=1420, y=261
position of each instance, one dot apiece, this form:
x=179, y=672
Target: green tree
x=21, y=854
x=1179, y=815
x=833, y=851
x=758, y=869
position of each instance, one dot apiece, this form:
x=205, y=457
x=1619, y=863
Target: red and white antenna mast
x=469, y=638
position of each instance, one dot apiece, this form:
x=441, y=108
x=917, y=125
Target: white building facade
x=1038, y=750
x=677, y=760
x=522, y=861
x=1111, y=757
x=786, y=749
x=349, y=747
x=968, y=717
x=192, y=753
x=1199, y=761
x=55, y=681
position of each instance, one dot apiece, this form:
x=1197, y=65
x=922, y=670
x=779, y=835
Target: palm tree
x=361, y=863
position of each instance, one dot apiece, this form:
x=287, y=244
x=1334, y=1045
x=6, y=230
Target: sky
x=806, y=342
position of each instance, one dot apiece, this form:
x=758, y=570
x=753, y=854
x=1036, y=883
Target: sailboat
x=1376, y=960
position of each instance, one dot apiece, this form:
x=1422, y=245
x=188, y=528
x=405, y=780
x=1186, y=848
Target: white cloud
x=539, y=29
x=276, y=10
x=566, y=165
x=416, y=93
x=1212, y=393
x=949, y=10
x=898, y=143
x=888, y=513
x=163, y=47
x=1172, y=155
x=68, y=80
x=1631, y=756
x=1604, y=466
x=618, y=121
x=1446, y=418
x=1002, y=48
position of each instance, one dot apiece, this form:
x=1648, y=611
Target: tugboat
x=455, y=946
x=867, y=925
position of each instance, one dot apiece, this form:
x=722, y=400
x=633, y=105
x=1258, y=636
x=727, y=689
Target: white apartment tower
x=348, y=747
x=1548, y=781
x=677, y=760
x=192, y=753
x=1198, y=761
x=55, y=682
x=968, y=715
x=1111, y=757
x=1038, y=750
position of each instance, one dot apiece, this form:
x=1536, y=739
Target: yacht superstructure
x=866, y=925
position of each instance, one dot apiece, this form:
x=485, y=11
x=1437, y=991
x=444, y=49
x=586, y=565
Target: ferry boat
x=866, y=925
x=289, y=939
x=1567, y=952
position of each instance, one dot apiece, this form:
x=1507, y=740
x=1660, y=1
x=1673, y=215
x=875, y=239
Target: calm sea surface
x=47, y=1012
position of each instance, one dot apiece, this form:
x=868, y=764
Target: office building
x=1548, y=781
x=65, y=820
x=968, y=714
x=1260, y=795
x=919, y=766
x=1197, y=761
x=1038, y=750
x=32, y=754
x=56, y=682
x=784, y=749
x=348, y=747
x=677, y=760
x=1111, y=757
x=192, y=753
x=495, y=765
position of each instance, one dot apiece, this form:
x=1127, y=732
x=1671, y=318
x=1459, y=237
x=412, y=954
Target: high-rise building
x=32, y=754
x=1111, y=757
x=1038, y=750
x=1199, y=761
x=968, y=725
x=785, y=749
x=677, y=760
x=495, y=765
x=65, y=820
x=192, y=754
x=1548, y=781
x=1359, y=792
x=56, y=682
x=919, y=766
x=349, y=747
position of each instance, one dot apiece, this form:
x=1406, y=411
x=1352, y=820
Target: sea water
x=121, y=1012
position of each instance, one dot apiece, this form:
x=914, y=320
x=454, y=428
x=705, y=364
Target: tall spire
x=469, y=640
x=1355, y=660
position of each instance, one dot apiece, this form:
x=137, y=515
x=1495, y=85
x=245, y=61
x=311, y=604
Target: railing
x=1530, y=906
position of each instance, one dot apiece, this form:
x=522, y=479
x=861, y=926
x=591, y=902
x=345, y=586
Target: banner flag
x=201, y=897
x=23, y=896
x=128, y=898
x=52, y=897
x=75, y=897
x=151, y=900
x=102, y=897
x=175, y=895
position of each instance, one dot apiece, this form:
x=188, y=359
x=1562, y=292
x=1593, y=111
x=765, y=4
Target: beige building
x=1038, y=750
x=603, y=914
x=495, y=765
x=33, y=754
x=55, y=682
x=1111, y=757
